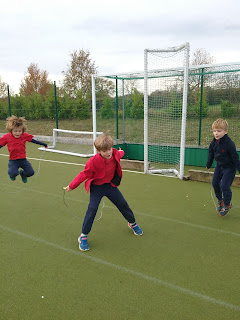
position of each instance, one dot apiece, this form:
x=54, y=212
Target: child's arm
x=121, y=152
x=78, y=180
x=39, y=142
x=210, y=157
x=3, y=140
x=87, y=173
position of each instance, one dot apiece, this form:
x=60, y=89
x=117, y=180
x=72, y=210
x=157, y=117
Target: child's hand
x=67, y=188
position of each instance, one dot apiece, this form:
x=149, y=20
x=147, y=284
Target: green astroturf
x=185, y=266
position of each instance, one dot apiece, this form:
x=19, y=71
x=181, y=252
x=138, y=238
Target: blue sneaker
x=12, y=178
x=83, y=243
x=225, y=210
x=24, y=179
x=135, y=228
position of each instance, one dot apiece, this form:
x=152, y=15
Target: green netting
x=213, y=92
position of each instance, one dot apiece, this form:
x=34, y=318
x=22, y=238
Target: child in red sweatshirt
x=16, y=139
x=103, y=175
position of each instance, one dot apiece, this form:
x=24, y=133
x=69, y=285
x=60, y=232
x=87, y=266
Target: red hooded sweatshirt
x=95, y=169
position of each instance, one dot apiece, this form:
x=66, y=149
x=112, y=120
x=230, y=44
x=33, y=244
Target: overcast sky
x=114, y=32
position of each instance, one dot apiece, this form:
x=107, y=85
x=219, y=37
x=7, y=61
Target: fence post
x=55, y=103
x=200, y=111
x=123, y=110
x=9, y=103
x=116, y=108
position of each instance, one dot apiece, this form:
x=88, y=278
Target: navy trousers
x=222, y=181
x=14, y=165
x=114, y=195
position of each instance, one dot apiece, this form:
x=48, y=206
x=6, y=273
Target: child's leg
x=227, y=180
x=116, y=197
x=96, y=194
x=13, y=168
x=27, y=168
x=216, y=182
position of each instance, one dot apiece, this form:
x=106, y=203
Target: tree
x=3, y=100
x=104, y=88
x=35, y=81
x=204, y=110
x=130, y=85
x=78, y=75
x=201, y=56
x=3, y=89
x=227, y=109
x=137, y=110
x=107, y=109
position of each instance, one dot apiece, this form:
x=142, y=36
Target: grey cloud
x=232, y=27
x=149, y=26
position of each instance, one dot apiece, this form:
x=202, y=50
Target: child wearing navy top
x=103, y=175
x=223, y=150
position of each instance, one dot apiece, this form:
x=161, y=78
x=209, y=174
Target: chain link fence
x=213, y=92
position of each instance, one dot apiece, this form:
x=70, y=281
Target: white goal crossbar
x=74, y=143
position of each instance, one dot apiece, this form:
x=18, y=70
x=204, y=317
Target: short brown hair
x=15, y=122
x=103, y=142
x=220, y=124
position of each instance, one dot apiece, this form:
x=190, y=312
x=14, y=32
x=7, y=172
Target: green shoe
x=13, y=178
x=24, y=179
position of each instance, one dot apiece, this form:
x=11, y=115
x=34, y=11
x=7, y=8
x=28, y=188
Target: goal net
x=75, y=143
x=165, y=105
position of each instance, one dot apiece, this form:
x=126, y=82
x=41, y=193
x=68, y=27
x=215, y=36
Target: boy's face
x=16, y=132
x=106, y=154
x=219, y=133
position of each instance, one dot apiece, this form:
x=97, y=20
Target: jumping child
x=103, y=175
x=223, y=150
x=16, y=139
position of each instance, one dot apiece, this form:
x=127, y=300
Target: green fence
x=213, y=92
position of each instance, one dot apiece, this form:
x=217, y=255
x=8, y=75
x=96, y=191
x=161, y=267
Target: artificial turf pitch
x=185, y=266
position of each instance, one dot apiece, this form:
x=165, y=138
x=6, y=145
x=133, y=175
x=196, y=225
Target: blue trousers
x=222, y=181
x=14, y=165
x=114, y=195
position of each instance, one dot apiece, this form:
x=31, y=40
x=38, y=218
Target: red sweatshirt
x=97, y=170
x=16, y=146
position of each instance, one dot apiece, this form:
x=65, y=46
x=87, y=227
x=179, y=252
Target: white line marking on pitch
x=75, y=164
x=143, y=214
x=126, y=270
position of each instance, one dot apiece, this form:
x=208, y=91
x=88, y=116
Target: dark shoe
x=13, y=178
x=24, y=179
x=225, y=210
x=220, y=205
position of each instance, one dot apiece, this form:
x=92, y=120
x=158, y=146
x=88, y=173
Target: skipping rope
x=72, y=214
x=213, y=199
x=32, y=180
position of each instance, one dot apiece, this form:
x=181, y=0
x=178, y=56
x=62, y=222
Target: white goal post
x=74, y=143
x=165, y=109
